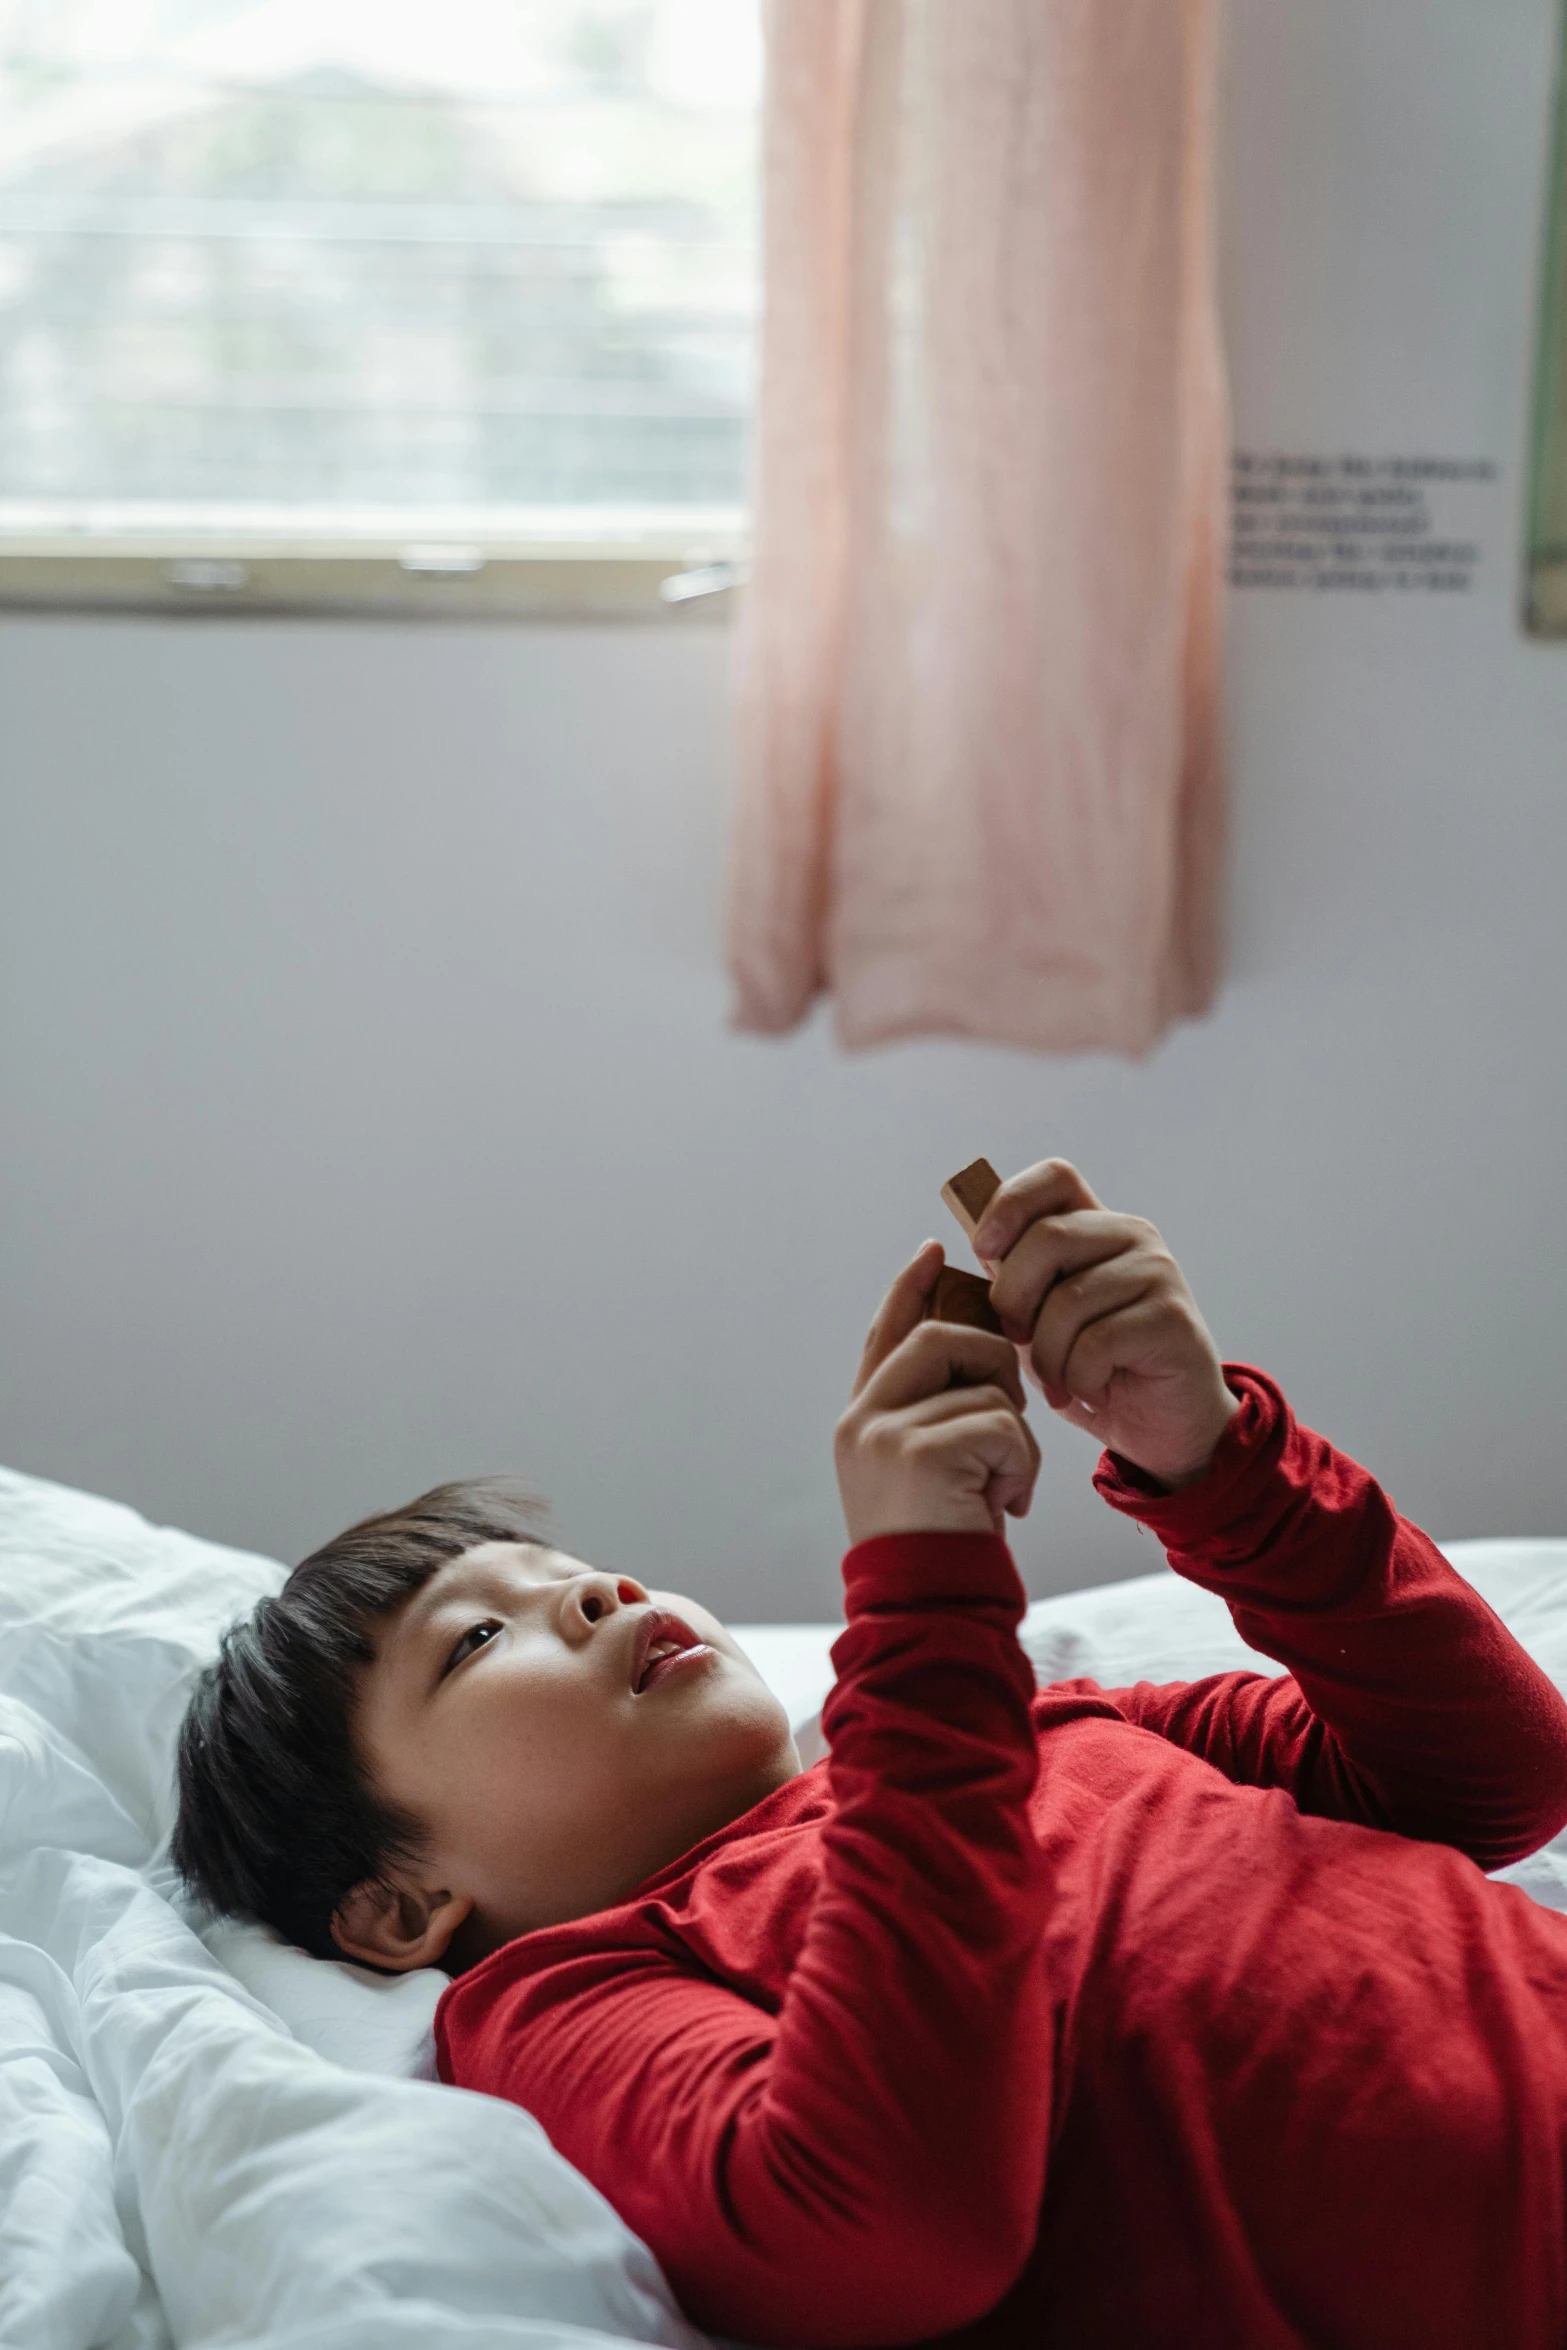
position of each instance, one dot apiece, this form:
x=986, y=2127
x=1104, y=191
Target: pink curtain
x=978, y=657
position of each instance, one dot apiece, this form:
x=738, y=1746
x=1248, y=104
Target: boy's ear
x=398, y=1926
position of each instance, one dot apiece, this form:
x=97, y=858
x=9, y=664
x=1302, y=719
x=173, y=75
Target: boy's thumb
x=902, y=1309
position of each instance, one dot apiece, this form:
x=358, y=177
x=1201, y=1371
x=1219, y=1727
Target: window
x=397, y=300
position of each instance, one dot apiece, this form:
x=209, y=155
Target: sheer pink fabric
x=978, y=658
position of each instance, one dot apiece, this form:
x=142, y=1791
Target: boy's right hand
x=934, y=1439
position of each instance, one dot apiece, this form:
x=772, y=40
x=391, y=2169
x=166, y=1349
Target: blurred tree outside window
x=469, y=263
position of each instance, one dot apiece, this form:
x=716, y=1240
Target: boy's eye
x=479, y=1633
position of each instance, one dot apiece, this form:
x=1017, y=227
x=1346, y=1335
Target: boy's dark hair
x=277, y=1817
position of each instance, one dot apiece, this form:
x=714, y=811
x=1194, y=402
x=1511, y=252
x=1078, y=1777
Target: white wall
x=369, y=1112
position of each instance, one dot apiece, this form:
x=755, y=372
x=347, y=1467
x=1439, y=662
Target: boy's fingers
x=1052, y=1188
x=1012, y=1455
x=964, y=1403
x=1011, y=1496
x=1103, y=1290
x=1113, y=1342
x=1054, y=1247
x=900, y=1311
x=1003, y=1441
x=936, y=1356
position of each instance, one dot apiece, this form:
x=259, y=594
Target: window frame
x=417, y=573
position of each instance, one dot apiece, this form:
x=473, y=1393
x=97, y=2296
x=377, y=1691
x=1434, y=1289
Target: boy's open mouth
x=659, y=1637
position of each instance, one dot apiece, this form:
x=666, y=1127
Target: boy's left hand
x=1102, y=1313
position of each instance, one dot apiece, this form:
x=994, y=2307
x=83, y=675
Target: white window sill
x=480, y=564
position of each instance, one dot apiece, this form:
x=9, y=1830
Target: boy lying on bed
x=1154, y=2016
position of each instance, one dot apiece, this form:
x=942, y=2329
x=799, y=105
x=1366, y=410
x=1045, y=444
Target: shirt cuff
x=929, y=1570
x=1245, y=1459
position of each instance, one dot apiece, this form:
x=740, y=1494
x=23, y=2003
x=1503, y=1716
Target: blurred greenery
x=320, y=279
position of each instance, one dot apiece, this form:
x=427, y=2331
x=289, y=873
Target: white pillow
x=276, y=2200
x=105, y=1622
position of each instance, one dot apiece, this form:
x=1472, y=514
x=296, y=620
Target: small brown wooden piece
x=962, y=1297
x=969, y=1193
x=959, y=1296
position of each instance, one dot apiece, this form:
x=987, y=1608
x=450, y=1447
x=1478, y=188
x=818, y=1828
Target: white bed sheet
x=207, y=2137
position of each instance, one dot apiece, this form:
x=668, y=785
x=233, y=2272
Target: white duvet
x=206, y=2137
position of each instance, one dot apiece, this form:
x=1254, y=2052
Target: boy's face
x=503, y=1711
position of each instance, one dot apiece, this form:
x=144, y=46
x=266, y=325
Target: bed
x=207, y=2137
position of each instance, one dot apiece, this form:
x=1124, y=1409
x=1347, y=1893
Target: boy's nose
x=599, y=1596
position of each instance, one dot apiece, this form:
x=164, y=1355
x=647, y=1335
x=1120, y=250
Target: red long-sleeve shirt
x=1155, y=2016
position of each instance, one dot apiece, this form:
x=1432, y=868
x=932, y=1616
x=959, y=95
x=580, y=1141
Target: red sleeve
x=1407, y=1703
x=867, y=2165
